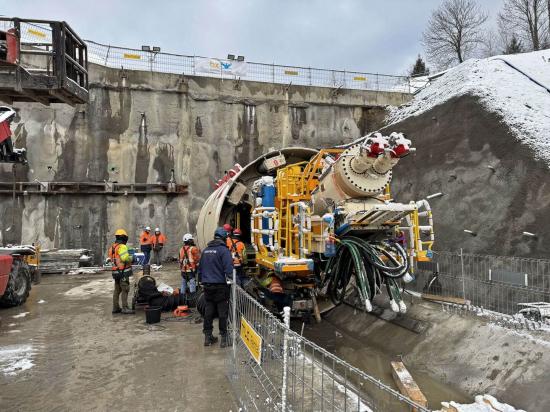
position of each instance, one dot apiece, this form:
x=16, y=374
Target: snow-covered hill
x=515, y=87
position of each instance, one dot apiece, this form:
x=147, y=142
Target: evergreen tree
x=419, y=68
x=514, y=46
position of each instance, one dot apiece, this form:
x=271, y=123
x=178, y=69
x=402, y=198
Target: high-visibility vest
x=145, y=238
x=160, y=238
x=237, y=248
x=276, y=286
x=189, y=258
x=122, y=260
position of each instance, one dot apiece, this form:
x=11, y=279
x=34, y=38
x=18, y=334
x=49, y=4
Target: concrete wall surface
x=198, y=126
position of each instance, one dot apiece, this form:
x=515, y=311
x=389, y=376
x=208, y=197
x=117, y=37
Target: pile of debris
x=64, y=260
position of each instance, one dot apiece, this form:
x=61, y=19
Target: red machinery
x=15, y=280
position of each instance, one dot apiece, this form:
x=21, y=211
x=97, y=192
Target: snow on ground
x=15, y=359
x=523, y=104
x=20, y=315
x=483, y=403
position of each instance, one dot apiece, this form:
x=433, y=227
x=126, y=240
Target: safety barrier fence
x=135, y=59
x=279, y=370
x=495, y=283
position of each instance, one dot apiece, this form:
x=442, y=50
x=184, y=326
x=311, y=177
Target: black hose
x=362, y=260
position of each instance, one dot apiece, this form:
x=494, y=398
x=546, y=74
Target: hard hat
x=148, y=228
x=157, y=230
x=237, y=232
x=187, y=237
x=121, y=232
x=227, y=227
x=220, y=233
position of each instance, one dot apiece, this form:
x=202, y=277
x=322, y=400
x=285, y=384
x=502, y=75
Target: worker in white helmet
x=146, y=244
x=159, y=241
x=189, y=260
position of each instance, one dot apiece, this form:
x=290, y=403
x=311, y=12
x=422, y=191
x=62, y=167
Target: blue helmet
x=220, y=233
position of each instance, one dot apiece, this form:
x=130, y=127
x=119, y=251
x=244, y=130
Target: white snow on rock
x=15, y=359
x=523, y=103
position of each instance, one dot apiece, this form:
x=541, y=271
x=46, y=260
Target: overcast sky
x=364, y=35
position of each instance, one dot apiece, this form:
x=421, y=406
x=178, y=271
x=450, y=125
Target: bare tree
x=527, y=20
x=454, y=32
x=491, y=44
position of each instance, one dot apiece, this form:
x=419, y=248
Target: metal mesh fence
x=294, y=374
x=134, y=59
x=495, y=283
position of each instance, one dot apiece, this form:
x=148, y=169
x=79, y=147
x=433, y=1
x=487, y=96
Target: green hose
x=361, y=259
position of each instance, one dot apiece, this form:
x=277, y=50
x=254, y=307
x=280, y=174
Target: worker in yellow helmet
x=121, y=259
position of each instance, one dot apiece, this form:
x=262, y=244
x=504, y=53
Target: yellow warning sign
x=36, y=33
x=291, y=72
x=132, y=56
x=360, y=78
x=252, y=340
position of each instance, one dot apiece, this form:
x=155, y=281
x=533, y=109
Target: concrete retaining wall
x=198, y=126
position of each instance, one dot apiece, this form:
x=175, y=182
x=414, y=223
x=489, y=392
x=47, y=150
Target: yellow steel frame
x=294, y=184
x=419, y=249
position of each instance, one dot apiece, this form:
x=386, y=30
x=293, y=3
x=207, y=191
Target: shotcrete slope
x=482, y=132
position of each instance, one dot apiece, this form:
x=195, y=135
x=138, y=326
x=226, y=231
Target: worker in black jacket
x=215, y=270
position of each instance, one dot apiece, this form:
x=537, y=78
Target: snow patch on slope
x=523, y=104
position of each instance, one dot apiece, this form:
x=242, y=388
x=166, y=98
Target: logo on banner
x=215, y=66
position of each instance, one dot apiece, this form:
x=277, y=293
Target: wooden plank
x=449, y=299
x=406, y=384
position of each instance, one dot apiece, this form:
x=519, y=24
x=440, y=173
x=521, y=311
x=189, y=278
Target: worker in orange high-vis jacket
x=121, y=259
x=146, y=244
x=189, y=261
x=159, y=241
x=238, y=253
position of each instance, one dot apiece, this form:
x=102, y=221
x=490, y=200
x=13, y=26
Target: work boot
x=209, y=340
x=116, y=310
x=126, y=311
x=224, y=342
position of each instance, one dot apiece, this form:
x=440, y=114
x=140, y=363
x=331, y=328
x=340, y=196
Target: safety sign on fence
x=251, y=340
x=216, y=66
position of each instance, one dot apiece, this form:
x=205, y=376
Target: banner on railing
x=216, y=66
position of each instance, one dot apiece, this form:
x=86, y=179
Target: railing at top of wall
x=134, y=59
